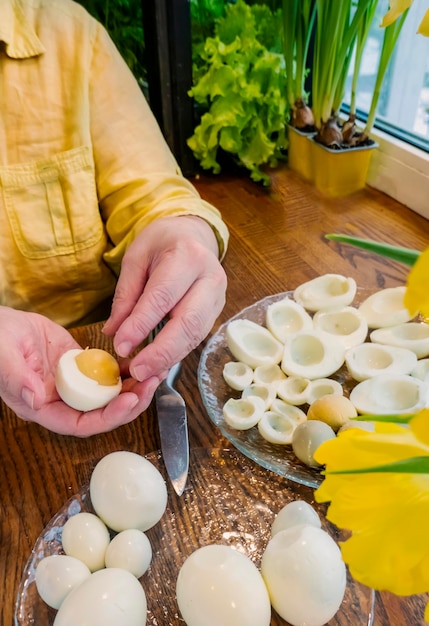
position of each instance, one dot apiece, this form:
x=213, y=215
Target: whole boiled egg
x=219, y=586
x=127, y=491
x=87, y=379
x=109, y=597
x=57, y=575
x=305, y=575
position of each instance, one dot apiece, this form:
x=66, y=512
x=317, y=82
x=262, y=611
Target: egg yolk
x=98, y=365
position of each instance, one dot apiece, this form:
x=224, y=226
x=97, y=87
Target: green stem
x=403, y=255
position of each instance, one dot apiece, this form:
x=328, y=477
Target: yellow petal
x=417, y=295
x=397, y=7
x=356, y=448
x=423, y=29
x=420, y=426
x=384, y=513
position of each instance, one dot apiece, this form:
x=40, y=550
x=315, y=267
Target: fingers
x=61, y=419
x=189, y=324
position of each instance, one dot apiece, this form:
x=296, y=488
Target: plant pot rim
x=373, y=144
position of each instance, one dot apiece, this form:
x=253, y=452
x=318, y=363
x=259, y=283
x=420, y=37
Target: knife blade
x=173, y=430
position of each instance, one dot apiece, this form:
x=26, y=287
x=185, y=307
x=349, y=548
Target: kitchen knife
x=173, y=430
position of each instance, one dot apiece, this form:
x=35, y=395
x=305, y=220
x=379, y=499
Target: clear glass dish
x=215, y=392
x=229, y=499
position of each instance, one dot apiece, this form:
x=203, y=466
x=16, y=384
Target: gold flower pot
x=339, y=172
x=299, y=153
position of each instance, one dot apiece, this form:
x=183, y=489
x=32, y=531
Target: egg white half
x=79, y=391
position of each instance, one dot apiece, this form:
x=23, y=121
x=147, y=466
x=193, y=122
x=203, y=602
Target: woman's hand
x=30, y=347
x=171, y=268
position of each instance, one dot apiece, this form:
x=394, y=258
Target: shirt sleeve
x=138, y=178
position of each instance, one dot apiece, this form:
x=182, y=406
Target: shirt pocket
x=52, y=204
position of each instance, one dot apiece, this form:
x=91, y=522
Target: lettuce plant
x=239, y=86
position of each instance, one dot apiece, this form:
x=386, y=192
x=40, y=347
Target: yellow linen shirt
x=83, y=164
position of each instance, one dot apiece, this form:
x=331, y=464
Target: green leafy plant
x=340, y=34
x=124, y=22
x=239, y=86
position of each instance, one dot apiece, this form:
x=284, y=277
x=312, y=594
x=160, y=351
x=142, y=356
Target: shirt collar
x=16, y=31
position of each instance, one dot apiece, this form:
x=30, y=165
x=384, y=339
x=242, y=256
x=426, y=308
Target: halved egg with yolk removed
x=87, y=379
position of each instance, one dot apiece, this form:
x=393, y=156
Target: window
x=400, y=167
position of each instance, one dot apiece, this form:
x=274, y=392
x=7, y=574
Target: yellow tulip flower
x=385, y=511
x=417, y=293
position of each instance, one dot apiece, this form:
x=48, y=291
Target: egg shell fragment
x=86, y=537
x=252, y=343
x=386, y=308
x=347, y=324
x=109, y=597
x=57, y=575
x=127, y=491
x=312, y=354
x=305, y=575
x=286, y=317
x=79, y=391
x=371, y=359
x=388, y=395
x=217, y=585
x=243, y=413
x=326, y=292
x=413, y=336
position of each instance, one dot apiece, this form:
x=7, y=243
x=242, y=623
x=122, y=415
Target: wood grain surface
x=277, y=242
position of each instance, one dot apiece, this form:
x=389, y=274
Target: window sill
x=401, y=171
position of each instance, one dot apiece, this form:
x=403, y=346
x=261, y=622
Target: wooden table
x=277, y=242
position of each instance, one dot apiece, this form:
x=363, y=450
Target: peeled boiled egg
x=109, y=597
x=237, y=374
x=326, y=292
x=252, y=343
x=372, y=359
x=243, y=413
x=312, y=354
x=305, y=575
x=295, y=513
x=57, y=575
x=389, y=394
x=278, y=428
x=219, y=586
x=87, y=379
x=347, y=324
x=386, y=308
x=86, y=537
x=411, y=335
x=130, y=550
x=307, y=437
x=294, y=390
x=127, y=491
x=285, y=317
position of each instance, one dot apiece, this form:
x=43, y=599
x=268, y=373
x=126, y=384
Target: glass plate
x=228, y=500
x=215, y=392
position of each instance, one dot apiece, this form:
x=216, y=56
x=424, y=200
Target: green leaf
x=391, y=419
x=414, y=465
x=403, y=255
